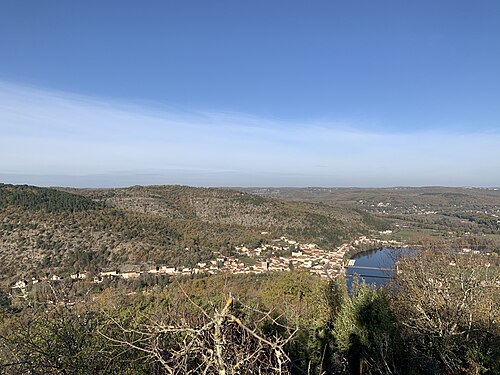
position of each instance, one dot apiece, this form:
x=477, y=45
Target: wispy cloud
x=53, y=138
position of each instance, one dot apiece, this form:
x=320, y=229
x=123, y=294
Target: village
x=281, y=254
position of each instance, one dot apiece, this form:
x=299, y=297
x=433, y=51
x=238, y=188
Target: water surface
x=381, y=258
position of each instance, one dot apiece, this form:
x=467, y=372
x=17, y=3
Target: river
x=380, y=258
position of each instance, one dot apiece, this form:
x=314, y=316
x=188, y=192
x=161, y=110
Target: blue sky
x=260, y=93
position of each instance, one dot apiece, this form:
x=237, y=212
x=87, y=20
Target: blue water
x=380, y=258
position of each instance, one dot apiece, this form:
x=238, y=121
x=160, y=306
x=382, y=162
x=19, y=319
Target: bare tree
x=448, y=303
x=221, y=342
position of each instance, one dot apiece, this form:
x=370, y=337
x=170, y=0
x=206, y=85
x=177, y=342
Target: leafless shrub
x=449, y=305
x=219, y=342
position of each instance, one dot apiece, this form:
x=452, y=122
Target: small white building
x=131, y=275
x=78, y=276
x=110, y=273
x=154, y=269
x=168, y=270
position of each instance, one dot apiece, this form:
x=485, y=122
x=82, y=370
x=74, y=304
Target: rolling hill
x=44, y=229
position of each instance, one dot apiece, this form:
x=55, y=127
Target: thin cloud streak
x=55, y=137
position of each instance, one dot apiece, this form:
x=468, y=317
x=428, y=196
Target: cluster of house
x=282, y=254
x=364, y=240
x=466, y=250
x=275, y=257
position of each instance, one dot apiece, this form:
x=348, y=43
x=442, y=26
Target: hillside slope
x=46, y=229
x=225, y=206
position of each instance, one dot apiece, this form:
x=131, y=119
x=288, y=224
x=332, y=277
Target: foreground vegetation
x=439, y=317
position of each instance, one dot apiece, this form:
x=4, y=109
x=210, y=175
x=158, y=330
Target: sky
x=257, y=93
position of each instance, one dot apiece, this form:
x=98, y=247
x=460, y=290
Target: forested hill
x=70, y=229
x=35, y=198
x=226, y=206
